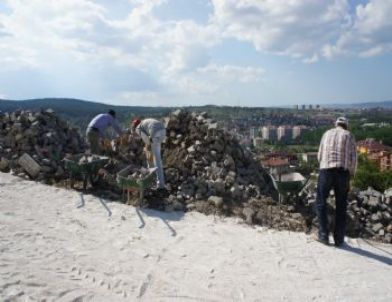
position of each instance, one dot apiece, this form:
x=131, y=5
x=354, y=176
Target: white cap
x=342, y=120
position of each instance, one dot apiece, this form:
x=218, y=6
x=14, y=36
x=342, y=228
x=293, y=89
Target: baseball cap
x=135, y=123
x=342, y=120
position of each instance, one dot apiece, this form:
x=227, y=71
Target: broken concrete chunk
x=29, y=165
x=216, y=200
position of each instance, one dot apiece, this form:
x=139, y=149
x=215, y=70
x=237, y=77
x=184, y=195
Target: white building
x=285, y=133
x=253, y=132
x=258, y=142
x=270, y=133
x=299, y=131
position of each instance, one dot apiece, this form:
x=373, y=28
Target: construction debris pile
x=204, y=161
x=34, y=144
x=370, y=214
x=206, y=170
x=88, y=159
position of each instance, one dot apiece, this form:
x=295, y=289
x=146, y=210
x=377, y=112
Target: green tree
x=368, y=175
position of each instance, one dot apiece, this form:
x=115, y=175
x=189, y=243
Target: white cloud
x=370, y=34
x=175, y=59
x=294, y=28
x=231, y=73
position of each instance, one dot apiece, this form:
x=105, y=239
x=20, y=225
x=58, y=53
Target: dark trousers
x=337, y=179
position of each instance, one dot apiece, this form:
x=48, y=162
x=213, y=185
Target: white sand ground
x=55, y=248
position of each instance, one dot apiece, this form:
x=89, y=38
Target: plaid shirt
x=338, y=150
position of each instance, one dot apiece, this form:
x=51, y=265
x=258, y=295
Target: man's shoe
x=321, y=240
x=339, y=243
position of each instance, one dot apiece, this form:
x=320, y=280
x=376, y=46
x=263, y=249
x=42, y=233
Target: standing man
x=337, y=156
x=96, y=129
x=153, y=133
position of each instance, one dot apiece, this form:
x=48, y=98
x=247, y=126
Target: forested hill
x=80, y=112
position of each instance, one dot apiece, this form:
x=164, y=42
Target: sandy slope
x=54, y=247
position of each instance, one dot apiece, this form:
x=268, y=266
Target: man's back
x=338, y=149
x=102, y=121
x=151, y=126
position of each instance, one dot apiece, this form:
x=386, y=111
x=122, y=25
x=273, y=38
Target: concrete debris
x=29, y=165
x=372, y=211
x=35, y=143
x=206, y=170
x=369, y=214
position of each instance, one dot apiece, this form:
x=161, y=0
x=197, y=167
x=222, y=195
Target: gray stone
x=4, y=164
x=216, y=200
x=29, y=165
x=377, y=227
x=249, y=213
x=376, y=217
x=236, y=191
x=259, y=218
x=219, y=186
x=373, y=201
x=296, y=216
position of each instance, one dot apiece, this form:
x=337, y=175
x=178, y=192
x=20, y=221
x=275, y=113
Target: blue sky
x=181, y=52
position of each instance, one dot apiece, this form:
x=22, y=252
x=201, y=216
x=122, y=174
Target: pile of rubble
x=34, y=144
x=370, y=214
x=206, y=170
x=205, y=163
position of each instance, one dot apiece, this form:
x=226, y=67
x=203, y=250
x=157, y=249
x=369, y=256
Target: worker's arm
x=116, y=127
x=321, y=147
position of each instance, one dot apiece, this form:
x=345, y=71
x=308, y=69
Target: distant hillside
x=384, y=104
x=80, y=112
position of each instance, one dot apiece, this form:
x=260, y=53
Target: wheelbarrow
x=128, y=184
x=86, y=166
x=290, y=184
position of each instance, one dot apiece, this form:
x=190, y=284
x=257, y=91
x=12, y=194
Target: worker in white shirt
x=153, y=133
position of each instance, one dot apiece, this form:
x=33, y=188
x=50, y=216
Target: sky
x=197, y=52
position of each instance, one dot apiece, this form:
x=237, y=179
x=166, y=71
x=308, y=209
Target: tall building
x=253, y=132
x=285, y=133
x=258, y=142
x=299, y=131
x=270, y=133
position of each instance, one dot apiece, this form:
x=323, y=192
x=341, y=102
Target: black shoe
x=339, y=243
x=324, y=241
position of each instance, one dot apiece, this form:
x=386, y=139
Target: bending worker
x=153, y=133
x=96, y=130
